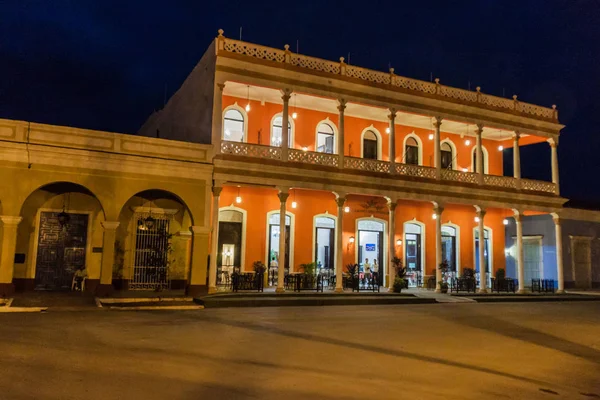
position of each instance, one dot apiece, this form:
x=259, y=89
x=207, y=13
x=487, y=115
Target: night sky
x=105, y=64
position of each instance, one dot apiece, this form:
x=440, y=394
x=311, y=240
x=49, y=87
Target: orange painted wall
x=260, y=116
x=257, y=202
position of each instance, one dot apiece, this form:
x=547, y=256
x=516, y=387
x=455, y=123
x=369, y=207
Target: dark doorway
x=61, y=250
x=370, y=145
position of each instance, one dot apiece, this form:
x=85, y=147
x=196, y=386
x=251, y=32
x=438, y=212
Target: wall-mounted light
x=387, y=130
x=465, y=170
x=477, y=219
x=434, y=216
x=294, y=204
x=467, y=142
x=431, y=136
x=238, y=198
x=294, y=115
x=305, y=149
x=399, y=242
x=505, y=221
x=347, y=209
x=351, y=240
x=500, y=148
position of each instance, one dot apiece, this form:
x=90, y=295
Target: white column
x=214, y=241
x=7, y=253
x=479, y=150
x=283, y=196
x=392, y=118
x=554, y=152
x=217, y=122
x=392, y=245
x=560, y=273
x=437, y=158
x=285, y=145
x=339, y=250
x=516, y=156
x=520, y=257
x=437, y=210
x=340, y=138
x=481, y=255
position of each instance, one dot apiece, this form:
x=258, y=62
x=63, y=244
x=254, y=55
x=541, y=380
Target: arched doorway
x=152, y=242
x=324, y=243
x=57, y=236
x=232, y=243
x=273, y=258
x=370, y=247
x=450, y=249
x=414, y=251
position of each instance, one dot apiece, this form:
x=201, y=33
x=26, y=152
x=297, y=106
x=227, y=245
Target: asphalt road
x=439, y=351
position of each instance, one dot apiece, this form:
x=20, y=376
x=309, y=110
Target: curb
x=22, y=309
x=121, y=300
x=162, y=308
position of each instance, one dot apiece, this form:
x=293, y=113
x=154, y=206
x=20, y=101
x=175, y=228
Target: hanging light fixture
x=387, y=130
x=431, y=136
x=467, y=142
x=294, y=204
x=434, y=216
x=149, y=221
x=238, y=198
x=63, y=216
x=248, y=104
x=294, y=114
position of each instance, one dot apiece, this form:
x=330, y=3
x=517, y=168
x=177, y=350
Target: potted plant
x=309, y=268
x=399, y=284
x=443, y=267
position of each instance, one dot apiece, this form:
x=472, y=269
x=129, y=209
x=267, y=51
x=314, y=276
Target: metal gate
x=61, y=250
x=151, y=257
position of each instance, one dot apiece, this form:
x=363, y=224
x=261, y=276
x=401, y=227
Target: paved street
x=439, y=351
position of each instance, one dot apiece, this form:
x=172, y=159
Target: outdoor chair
x=74, y=284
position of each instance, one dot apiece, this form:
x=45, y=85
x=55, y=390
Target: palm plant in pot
x=443, y=284
x=400, y=281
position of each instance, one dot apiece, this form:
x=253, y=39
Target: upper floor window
x=233, y=125
x=447, y=155
x=276, y=129
x=411, y=151
x=325, y=138
x=370, y=145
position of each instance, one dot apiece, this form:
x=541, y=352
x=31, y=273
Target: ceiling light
x=247, y=107
x=238, y=199
x=294, y=204
x=294, y=115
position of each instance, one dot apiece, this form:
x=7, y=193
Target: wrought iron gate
x=152, y=248
x=61, y=250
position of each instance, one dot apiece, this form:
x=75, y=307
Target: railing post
x=288, y=54
x=392, y=76
x=342, y=66
x=220, y=40
x=340, y=138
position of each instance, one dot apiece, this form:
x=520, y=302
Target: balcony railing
x=363, y=164
x=384, y=78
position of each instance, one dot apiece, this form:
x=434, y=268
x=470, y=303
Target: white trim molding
x=419, y=143
x=236, y=107
x=454, y=151
x=292, y=133
x=379, y=141
x=383, y=268
x=244, y=221
x=423, y=241
x=333, y=126
x=292, y=236
x=314, y=238
x=457, y=228
x=486, y=159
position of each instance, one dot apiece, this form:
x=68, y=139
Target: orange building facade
x=374, y=166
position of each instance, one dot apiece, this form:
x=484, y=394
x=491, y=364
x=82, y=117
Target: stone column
x=392, y=118
x=217, y=118
x=108, y=257
x=285, y=145
x=560, y=273
x=554, y=153
x=339, y=245
x=481, y=255
x=10, y=225
x=516, y=156
x=200, y=250
x=214, y=241
x=437, y=158
x=520, y=257
x=283, y=196
x=392, y=245
x=437, y=210
x=340, y=138
x=479, y=150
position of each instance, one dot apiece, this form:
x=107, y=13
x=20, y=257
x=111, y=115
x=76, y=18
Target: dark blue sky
x=104, y=64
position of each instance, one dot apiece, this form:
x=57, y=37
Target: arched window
x=233, y=125
x=324, y=244
x=370, y=145
x=485, y=159
x=447, y=155
x=411, y=151
x=276, y=128
x=325, y=138
x=449, y=249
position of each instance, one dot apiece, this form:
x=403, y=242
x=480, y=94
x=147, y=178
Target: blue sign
x=370, y=247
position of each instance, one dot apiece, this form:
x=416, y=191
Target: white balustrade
x=365, y=164
x=459, y=176
x=416, y=171
x=538, y=186
x=500, y=181
x=250, y=150
x=317, y=64
x=310, y=157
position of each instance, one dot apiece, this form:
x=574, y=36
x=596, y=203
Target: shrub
x=398, y=285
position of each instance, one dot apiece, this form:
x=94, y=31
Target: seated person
x=79, y=276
